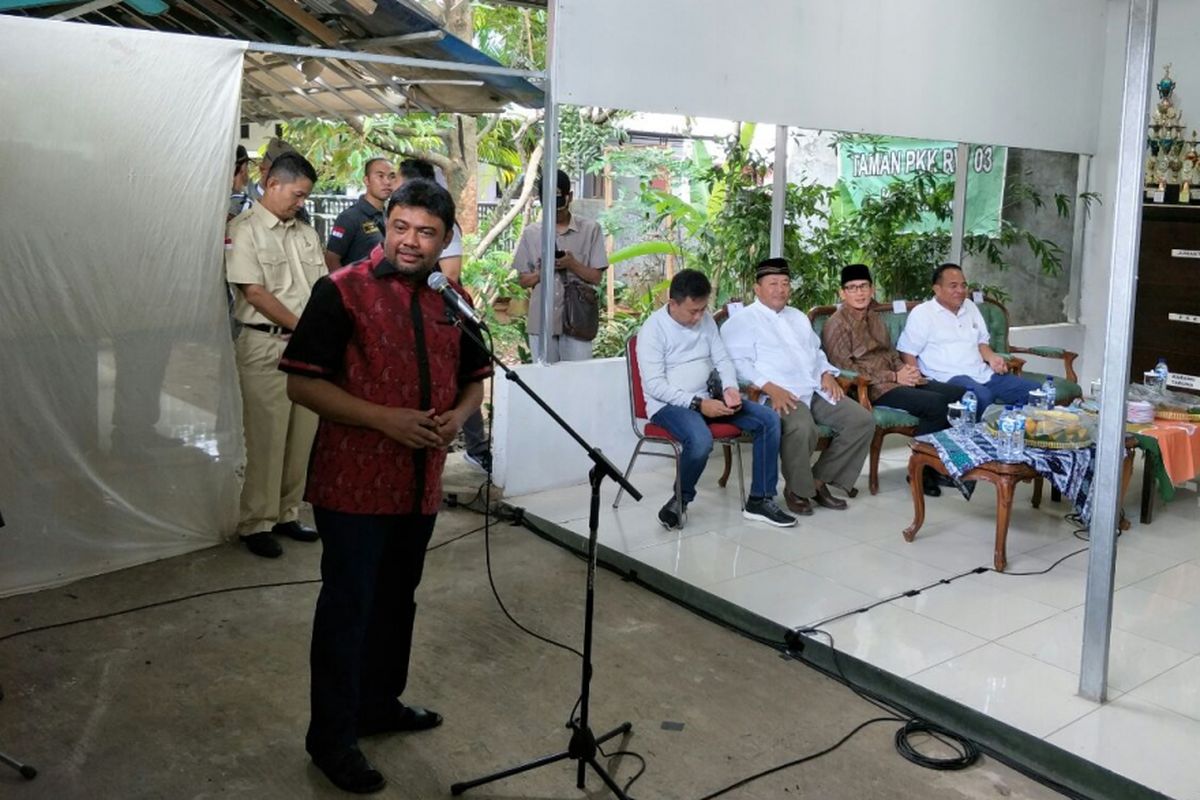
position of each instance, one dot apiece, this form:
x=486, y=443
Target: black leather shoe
x=262, y=544
x=294, y=530
x=399, y=720
x=351, y=772
x=825, y=499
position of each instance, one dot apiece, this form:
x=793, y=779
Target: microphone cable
x=487, y=522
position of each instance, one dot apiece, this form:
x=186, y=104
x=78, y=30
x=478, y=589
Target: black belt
x=274, y=330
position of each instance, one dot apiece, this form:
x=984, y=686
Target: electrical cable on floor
x=899, y=708
x=197, y=595
x=617, y=754
x=966, y=751
x=899, y=596
x=156, y=604
x=796, y=762
x=1081, y=533
x=453, y=539
x=487, y=537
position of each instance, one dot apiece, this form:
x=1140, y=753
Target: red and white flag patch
x=337, y=232
x=228, y=243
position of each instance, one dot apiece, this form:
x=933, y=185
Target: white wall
x=1175, y=42
x=1022, y=73
x=530, y=451
x=1067, y=335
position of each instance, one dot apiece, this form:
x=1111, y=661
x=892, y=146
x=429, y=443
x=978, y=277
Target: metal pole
x=399, y=61
x=1074, y=286
x=549, y=185
x=958, y=225
x=1127, y=223
x=779, y=191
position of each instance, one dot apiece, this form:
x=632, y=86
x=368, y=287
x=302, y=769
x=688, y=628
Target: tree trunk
x=532, y=168
x=464, y=136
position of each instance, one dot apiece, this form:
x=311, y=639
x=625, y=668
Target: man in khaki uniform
x=273, y=259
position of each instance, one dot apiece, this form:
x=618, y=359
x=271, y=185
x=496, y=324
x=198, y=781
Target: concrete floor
x=208, y=697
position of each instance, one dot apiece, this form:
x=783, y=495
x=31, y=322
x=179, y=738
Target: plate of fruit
x=1054, y=429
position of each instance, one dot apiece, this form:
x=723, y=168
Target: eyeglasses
x=857, y=287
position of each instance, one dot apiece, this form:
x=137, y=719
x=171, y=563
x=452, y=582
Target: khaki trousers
x=842, y=462
x=279, y=435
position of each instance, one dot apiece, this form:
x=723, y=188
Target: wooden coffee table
x=1003, y=476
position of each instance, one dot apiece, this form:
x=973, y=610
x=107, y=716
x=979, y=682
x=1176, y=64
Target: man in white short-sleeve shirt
x=947, y=338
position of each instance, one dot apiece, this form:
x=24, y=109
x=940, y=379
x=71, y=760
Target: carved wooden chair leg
x=876, y=447
x=724, y=479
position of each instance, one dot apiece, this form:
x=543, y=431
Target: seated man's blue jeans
x=1007, y=389
x=695, y=440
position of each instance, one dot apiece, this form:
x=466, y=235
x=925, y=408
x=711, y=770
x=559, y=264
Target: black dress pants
x=927, y=403
x=363, y=626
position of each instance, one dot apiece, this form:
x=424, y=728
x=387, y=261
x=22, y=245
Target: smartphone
x=559, y=253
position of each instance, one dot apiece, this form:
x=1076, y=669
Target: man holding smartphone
x=579, y=258
x=679, y=348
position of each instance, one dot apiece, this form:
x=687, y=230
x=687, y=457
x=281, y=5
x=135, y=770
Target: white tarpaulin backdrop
x=116, y=155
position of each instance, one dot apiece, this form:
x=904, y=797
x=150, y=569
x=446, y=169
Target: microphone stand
x=583, y=745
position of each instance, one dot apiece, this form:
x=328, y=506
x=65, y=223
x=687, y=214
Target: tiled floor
x=1005, y=644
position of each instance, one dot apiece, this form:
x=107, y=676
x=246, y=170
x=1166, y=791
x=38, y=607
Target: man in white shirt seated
x=678, y=349
x=947, y=339
x=774, y=347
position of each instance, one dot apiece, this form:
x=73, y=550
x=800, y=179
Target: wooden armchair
x=1067, y=385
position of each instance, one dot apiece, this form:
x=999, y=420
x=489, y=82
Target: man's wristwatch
x=695, y=404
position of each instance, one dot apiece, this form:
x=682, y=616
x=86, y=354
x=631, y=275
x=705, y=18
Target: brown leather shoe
x=797, y=504
x=825, y=499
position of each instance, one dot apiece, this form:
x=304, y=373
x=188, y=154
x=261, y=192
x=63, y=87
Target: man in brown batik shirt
x=855, y=338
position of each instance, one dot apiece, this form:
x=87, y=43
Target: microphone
x=455, y=301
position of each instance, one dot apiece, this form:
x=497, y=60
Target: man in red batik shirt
x=392, y=378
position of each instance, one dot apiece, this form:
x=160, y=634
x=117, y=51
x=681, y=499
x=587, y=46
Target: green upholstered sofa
x=995, y=315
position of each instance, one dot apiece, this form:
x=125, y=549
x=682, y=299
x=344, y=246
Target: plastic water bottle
x=1005, y=426
x=1160, y=369
x=970, y=404
x=1017, y=446
x=1051, y=392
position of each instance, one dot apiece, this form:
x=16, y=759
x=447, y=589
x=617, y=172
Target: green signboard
x=867, y=167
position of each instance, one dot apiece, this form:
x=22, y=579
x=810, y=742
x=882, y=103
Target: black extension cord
x=966, y=752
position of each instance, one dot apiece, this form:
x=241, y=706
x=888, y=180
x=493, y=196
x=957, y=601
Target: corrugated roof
x=275, y=87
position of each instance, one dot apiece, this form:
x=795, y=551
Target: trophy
x=1171, y=159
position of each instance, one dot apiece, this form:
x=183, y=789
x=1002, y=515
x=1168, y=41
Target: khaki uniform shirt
x=285, y=258
x=582, y=239
x=861, y=343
